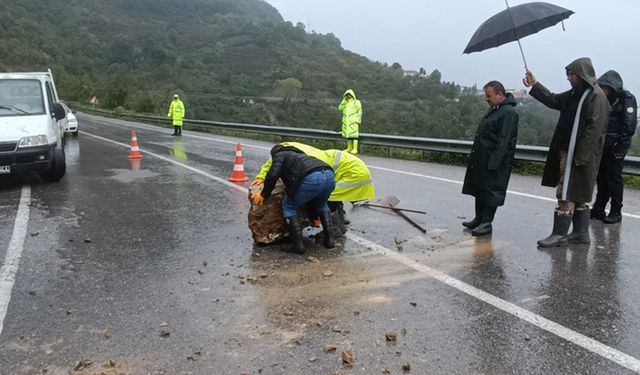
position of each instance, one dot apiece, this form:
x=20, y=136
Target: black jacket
x=291, y=167
x=491, y=159
x=623, y=117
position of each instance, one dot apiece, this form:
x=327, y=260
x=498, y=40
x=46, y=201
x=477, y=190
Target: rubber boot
x=482, y=230
x=349, y=146
x=179, y=131
x=615, y=215
x=295, y=234
x=485, y=228
x=597, y=212
x=327, y=230
x=472, y=224
x=558, y=237
x=354, y=149
x=344, y=217
x=175, y=131
x=580, y=233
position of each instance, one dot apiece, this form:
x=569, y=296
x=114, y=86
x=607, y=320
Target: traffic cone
x=135, y=164
x=238, y=174
x=135, y=151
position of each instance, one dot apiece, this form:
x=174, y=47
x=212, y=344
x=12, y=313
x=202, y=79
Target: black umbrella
x=515, y=23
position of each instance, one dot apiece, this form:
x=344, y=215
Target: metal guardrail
x=523, y=152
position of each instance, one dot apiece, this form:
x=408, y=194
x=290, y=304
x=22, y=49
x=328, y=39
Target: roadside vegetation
x=237, y=61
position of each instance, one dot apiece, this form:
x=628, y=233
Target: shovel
x=390, y=203
x=393, y=208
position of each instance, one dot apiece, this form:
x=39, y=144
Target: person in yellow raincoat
x=351, y=119
x=353, y=179
x=176, y=113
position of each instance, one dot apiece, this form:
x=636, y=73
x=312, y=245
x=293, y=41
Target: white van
x=31, y=133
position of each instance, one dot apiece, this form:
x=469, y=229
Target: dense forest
x=233, y=60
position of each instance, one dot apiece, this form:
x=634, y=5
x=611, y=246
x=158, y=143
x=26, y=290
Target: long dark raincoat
x=591, y=132
x=494, y=147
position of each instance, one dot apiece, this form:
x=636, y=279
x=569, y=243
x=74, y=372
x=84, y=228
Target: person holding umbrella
x=575, y=151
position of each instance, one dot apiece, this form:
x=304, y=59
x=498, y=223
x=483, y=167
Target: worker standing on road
x=575, y=150
x=176, y=113
x=491, y=159
x=308, y=181
x=623, y=120
x=351, y=119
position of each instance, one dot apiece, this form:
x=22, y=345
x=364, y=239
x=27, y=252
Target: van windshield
x=21, y=97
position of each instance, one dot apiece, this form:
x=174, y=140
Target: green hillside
x=231, y=60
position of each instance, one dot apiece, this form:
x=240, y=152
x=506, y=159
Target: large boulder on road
x=266, y=222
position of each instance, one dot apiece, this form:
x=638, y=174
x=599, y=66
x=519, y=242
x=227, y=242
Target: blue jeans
x=314, y=190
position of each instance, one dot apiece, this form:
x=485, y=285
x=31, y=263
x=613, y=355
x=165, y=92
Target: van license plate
x=4, y=169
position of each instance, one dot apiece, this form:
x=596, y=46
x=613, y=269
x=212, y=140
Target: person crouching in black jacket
x=308, y=181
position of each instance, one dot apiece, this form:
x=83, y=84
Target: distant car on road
x=71, y=122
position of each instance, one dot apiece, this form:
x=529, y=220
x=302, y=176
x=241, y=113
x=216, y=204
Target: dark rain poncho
x=591, y=132
x=491, y=159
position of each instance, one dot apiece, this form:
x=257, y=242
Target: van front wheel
x=57, y=169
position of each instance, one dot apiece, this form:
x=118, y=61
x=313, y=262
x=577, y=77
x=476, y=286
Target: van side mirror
x=58, y=111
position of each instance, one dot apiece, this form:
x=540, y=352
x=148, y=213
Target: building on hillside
x=519, y=94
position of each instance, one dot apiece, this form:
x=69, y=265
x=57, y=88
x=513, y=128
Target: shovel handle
x=402, y=215
x=394, y=208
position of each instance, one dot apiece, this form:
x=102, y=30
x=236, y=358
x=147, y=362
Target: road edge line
x=14, y=252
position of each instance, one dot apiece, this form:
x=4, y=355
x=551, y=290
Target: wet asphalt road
x=152, y=266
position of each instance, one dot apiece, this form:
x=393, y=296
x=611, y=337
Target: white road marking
x=534, y=299
x=532, y=196
x=192, y=169
x=550, y=326
x=579, y=339
x=14, y=252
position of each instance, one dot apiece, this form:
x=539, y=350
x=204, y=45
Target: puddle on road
x=127, y=175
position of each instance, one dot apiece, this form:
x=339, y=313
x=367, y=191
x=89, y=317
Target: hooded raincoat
x=592, y=127
x=351, y=115
x=353, y=179
x=176, y=112
x=623, y=118
x=491, y=159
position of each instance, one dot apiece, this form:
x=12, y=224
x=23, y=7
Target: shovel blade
x=390, y=201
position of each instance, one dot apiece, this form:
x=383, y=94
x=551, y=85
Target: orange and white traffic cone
x=135, y=151
x=238, y=174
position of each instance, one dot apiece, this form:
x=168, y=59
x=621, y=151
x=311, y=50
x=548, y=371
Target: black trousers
x=484, y=212
x=610, y=184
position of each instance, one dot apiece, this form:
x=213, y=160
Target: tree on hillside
x=129, y=53
x=288, y=88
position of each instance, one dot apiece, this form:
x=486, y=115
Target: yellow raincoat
x=353, y=179
x=176, y=111
x=351, y=116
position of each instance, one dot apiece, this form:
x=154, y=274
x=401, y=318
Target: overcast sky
x=432, y=34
